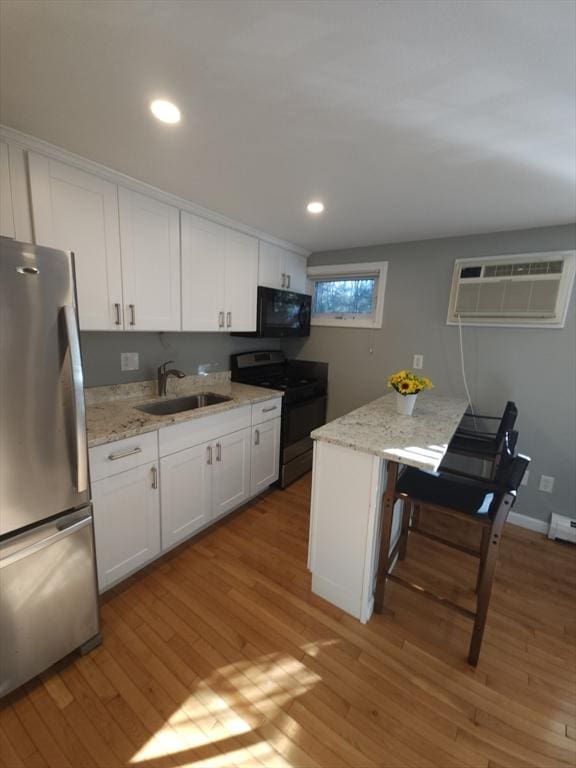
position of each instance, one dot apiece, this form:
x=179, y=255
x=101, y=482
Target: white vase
x=405, y=403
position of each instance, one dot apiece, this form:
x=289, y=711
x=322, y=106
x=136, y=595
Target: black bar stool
x=471, y=441
x=484, y=502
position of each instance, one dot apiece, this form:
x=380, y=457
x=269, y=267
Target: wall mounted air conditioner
x=529, y=290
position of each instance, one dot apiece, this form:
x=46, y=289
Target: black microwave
x=281, y=314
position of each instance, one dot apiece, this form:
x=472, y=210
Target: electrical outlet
x=418, y=362
x=525, y=478
x=546, y=484
x=129, y=361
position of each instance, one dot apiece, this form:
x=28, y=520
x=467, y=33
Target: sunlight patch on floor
x=207, y=719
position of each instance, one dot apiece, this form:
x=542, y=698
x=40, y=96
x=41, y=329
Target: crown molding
x=27, y=142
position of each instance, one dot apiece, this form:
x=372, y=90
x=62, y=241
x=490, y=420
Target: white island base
x=347, y=488
x=351, y=457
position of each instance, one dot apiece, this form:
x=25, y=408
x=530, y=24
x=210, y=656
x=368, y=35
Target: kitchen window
x=348, y=295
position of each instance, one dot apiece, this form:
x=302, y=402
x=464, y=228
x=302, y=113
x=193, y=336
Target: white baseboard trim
x=524, y=521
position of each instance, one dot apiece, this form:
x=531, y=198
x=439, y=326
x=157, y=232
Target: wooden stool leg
x=406, y=513
x=416, y=516
x=483, y=551
x=386, y=535
x=486, y=581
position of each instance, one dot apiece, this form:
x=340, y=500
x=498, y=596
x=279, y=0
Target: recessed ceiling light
x=315, y=207
x=165, y=111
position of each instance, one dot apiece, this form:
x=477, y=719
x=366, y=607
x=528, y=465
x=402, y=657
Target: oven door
x=299, y=419
x=283, y=313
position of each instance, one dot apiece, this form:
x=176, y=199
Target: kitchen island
x=356, y=459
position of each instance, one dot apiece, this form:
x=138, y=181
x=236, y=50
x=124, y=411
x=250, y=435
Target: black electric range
x=305, y=386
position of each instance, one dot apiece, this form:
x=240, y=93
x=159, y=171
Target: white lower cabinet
x=207, y=468
x=126, y=522
x=231, y=472
x=265, y=448
x=186, y=490
x=203, y=483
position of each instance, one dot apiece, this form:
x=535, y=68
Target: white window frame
x=378, y=269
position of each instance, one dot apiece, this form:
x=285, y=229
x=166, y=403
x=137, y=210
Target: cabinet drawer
x=113, y=458
x=269, y=409
x=190, y=433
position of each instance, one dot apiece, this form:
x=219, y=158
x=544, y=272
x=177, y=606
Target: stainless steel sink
x=179, y=404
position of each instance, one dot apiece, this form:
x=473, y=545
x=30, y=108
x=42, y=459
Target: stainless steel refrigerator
x=48, y=588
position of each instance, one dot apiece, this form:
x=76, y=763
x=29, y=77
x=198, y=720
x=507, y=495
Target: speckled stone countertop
x=419, y=440
x=111, y=412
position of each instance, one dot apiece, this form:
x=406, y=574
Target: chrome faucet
x=164, y=374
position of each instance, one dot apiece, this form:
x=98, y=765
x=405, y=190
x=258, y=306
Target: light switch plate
x=418, y=362
x=129, y=361
x=546, y=484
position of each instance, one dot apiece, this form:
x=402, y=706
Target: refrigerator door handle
x=43, y=543
x=78, y=388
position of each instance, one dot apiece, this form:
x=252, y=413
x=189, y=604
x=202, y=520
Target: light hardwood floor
x=219, y=655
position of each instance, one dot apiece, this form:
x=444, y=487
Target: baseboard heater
x=563, y=528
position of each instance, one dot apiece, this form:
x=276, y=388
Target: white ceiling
x=408, y=119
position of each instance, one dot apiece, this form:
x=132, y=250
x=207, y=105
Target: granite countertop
x=111, y=412
x=420, y=440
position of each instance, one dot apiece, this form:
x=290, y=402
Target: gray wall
x=534, y=367
x=101, y=353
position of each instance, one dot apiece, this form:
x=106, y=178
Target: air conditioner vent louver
x=536, y=268
x=528, y=289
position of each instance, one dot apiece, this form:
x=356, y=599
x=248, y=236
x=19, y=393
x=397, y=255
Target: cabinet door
x=271, y=271
x=77, y=211
x=126, y=522
x=265, y=455
x=186, y=493
x=203, y=268
x=150, y=243
x=231, y=471
x=241, y=281
x=295, y=270
x=7, y=228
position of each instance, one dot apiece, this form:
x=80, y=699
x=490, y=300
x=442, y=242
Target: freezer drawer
x=48, y=596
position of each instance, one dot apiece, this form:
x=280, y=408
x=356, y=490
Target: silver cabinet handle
x=256, y=437
x=283, y=280
x=154, y=478
x=267, y=410
x=289, y=280
x=123, y=454
x=228, y=319
x=78, y=397
x=220, y=319
x=132, y=308
x=209, y=452
x=218, y=452
x=118, y=318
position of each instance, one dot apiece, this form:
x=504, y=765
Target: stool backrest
x=511, y=467
x=508, y=419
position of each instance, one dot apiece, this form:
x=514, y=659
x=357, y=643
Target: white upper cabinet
x=7, y=228
x=295, y=269
x=203, y=274
x=241, y=281
x=219, y=277
x=141, y=263
x=280, y=268
x=77, y=211
x=150, y=244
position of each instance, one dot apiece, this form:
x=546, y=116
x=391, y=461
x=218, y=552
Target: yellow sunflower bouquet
x=408, y=383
